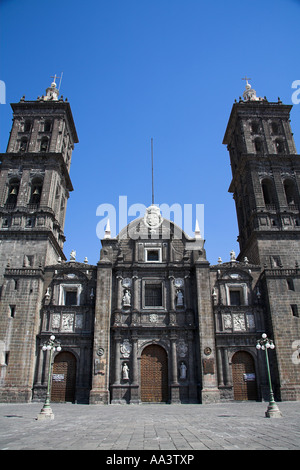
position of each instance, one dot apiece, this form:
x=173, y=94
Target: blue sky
x=135, y=70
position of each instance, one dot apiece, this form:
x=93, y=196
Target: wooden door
x=243, y=375
x=154, y=374
x=64, y=378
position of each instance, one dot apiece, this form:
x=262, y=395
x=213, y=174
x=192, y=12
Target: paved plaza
x=173, y=428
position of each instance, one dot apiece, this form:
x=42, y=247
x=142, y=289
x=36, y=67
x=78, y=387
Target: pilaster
x=210, y=392
x=101, y=351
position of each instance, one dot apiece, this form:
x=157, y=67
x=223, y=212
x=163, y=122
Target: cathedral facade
x=153, y=321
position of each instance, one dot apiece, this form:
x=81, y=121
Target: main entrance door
x=64, y=377
x=243, y=374
x=154, y=374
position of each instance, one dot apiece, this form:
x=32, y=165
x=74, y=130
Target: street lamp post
x=52, y=345
x=265, y=343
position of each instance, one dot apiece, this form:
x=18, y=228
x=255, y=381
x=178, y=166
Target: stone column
x=135, y=292
x=227, y=378
x=135, y=372
x=24, y=189
x=117, y=371
x=174, y=370
x=220, y=367
x=47, y=354
x=119, y=293
x=187, y=292
x=100, y=381
x=135, y=379
x=40, y=366
x=210, y=392
x=191, y=369
x=173, y=338
x=172, y=294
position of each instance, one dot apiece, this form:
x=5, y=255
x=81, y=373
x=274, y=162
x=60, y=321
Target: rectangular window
x=235, y=297
x=71, y=297
x=290, y=284
x=294, y=308
x=6, y=358
x=69, y=294
x=12, y=309
x=153, y=255
x=153, y=295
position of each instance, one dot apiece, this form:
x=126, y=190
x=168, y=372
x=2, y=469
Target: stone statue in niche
x=183, y=370
x=179, y=298
x=125, y=371
x=127, y=298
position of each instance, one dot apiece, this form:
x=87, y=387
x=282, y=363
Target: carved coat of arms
x=125, y=348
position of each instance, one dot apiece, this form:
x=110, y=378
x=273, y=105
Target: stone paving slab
x=184, y=428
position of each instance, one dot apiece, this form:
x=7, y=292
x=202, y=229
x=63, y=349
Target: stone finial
x=52, y=92
x=107, y=230
x=197, y=230
x=249, y=93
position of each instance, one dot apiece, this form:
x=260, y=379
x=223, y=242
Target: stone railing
x=14, y=272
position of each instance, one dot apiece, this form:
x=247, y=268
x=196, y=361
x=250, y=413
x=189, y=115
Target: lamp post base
x=273, y=411
x=45, y=413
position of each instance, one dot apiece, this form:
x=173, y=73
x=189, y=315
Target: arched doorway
x=243, y=375
x=154, y=374
x=64, y=377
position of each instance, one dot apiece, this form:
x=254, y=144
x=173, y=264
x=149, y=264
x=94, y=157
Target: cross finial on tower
x=246, y=78
x=55, y=77
x=249, y=94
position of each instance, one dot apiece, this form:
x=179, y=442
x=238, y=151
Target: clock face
x=178, y=282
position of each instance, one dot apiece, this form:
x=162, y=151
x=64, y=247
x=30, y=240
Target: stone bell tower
x=34, y=188
x=266, y=188
x=265, y=180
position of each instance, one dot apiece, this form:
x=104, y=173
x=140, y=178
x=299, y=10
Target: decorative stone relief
x=207, y=351
x=250, y=321
x=227, y=321
x=126, y=283
x=55, y=324
x=179, y=283
x=125, y=348
x=182, y=348
x=239, y=322
x=79, y=321
x=153, y=317
x=153, y=218
x=100, y=352
x=67, y=322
